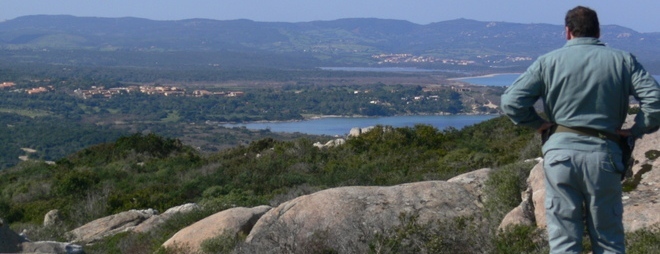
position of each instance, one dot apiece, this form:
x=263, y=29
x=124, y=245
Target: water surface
x=343, y=125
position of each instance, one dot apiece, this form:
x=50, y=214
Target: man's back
x=583, y=84
x=587, y=85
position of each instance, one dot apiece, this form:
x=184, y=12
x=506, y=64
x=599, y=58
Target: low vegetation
x=150, y=171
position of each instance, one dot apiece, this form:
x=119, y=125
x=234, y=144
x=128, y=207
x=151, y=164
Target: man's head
x=582, y=22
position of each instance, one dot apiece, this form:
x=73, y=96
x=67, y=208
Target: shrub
x=520, y=239
x=458, y=235
x=75, y=182
x=652, y=154
x=224, y=243
x=644, y=241
x=503, y=190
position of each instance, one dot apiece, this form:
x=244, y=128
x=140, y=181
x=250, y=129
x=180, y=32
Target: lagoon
x=491, y=80
x=339, y=126
x=378, y=69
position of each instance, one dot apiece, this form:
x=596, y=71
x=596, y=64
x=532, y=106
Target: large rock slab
x=351, y=215
x=51, y=247
x=11, y=242
x=110, y=225
x=157, y=220
x=230, y=221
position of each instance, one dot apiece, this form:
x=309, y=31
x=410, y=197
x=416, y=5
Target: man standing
x=585, y=87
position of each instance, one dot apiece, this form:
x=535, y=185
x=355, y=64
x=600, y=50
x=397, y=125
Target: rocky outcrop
x=11, y=242
x=357, y=131
x=110, y=225
x=331, y=143
x=52, y=218
x=230, y=221
x=157, y=220
x=531, y=210
x=351, y=215
x=51, y=247
x=640, y=204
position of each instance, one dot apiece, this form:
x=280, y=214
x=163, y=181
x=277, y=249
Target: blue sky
x=640, y=15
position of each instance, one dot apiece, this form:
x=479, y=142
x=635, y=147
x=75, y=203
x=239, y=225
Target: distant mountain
x=344, y=41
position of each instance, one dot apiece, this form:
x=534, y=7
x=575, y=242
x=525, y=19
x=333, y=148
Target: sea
x=491, y=80
x=339, y=126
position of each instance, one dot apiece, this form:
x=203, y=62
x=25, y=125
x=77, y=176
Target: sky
x=639, y=15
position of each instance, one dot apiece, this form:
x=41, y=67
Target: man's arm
x=518, y=100
x=647, y=91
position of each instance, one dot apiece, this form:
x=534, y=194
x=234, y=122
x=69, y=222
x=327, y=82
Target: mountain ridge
x=345, y=41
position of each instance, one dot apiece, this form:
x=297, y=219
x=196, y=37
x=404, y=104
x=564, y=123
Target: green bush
x=652, y=154
x=223, y=244
x=458, y=235
x=503, y=189
x=644, y=241
x=521, y=239
x=75, y=182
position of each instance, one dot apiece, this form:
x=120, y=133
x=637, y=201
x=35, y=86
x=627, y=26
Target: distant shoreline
x=484, y=76
x=317, y=117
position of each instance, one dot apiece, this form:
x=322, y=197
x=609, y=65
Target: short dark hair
x=583, y=22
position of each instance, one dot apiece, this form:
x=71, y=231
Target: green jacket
x=584, y=84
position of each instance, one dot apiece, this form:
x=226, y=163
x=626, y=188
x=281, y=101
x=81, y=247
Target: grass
x=27, y=112
x=172, y=117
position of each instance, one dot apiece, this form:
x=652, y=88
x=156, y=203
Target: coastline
x=318, y=117
x=340, y=127
x=484, y=76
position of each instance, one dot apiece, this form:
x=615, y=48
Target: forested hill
x=319, y=43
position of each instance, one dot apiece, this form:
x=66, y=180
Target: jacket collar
x=584, y=41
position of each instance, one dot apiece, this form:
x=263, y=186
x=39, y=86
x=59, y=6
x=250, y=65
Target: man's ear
x=569, y=34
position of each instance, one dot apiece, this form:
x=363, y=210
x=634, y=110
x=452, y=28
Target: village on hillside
x=102, y=92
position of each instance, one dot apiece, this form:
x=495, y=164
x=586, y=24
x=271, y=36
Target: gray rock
x=641, y=205
x=351, y=215
x=110, y=225
x=357, y=131
x=156, y=220
x=51, y=247
x=331, y=143
x=230, y=221
x=52, y=218
x=354, y=132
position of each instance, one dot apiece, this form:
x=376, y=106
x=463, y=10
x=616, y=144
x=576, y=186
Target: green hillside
x=149, y=171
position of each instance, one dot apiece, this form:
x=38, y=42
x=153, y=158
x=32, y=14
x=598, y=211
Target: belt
x=587, y=132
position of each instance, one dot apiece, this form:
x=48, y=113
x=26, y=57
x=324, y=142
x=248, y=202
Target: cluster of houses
x=41, y=89
x=7, y=84
x=410, y=58
x=102, y=92
x=36, y=90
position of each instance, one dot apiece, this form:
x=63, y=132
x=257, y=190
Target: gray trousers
x=583, y=185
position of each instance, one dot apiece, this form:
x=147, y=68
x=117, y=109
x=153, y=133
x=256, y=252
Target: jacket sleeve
x=647, y=91
x=518, y=100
